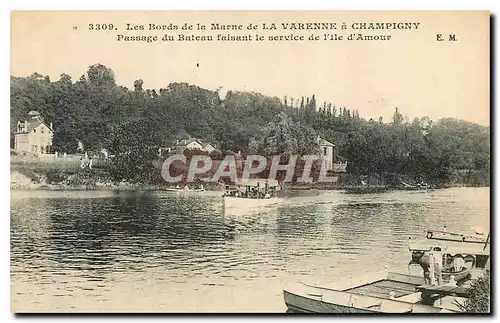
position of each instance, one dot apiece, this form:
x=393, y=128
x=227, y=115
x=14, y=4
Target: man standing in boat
x=436, y=265
x=437, y=257
x=432, y=263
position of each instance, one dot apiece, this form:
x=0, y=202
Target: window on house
x=324, y=151
x=34, y=130
x=42, y=129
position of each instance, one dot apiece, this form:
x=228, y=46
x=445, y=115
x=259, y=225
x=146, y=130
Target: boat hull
x=302, y=304
x=239, y=205
x=457, y=237
x=362, y=295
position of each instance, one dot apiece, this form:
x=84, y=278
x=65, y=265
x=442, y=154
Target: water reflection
x=125, y=252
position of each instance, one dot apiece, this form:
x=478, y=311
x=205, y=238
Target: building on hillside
x=327, y=153
x=33, y=135
x=179, y=146
x=208, y=147
x=328, y=156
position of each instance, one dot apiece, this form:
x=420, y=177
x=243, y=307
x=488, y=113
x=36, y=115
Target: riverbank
x=21, y=182
x=27, y=177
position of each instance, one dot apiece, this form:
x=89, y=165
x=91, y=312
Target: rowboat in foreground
x=380, y=293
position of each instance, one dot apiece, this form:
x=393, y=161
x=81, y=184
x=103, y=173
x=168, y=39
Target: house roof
x=185, y=142
x=323, y=142
x=30, y=125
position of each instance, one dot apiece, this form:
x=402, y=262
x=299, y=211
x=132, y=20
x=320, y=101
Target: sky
x=412, y=71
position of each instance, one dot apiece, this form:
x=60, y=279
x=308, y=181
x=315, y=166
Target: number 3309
x=101, y=27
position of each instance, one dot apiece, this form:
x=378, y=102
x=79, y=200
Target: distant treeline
x=134, y=123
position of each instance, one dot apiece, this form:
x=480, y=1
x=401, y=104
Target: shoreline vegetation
x=23, y=177
x=138, y=128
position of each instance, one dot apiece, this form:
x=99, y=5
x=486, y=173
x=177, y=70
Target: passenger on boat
x=458, y=263
x=452, y=282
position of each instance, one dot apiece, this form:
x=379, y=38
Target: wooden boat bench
x=432, y=292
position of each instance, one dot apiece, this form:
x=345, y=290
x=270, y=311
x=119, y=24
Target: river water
x=178, y=252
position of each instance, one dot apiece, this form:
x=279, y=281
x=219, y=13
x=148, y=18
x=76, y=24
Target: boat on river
x=401, y=293
x=231, y=202
x=250, y=195
x=471, y=248
x=186, y=189
x=458, y=273
x=416, y=187
x=384, y=292
x=461, y=237
x=366, y=189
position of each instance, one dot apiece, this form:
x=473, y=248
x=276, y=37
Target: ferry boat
x=250, y=195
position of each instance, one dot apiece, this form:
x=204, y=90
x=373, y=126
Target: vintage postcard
x=250, y=161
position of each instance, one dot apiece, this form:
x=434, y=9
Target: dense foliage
x=134, y=123
x=479, y=300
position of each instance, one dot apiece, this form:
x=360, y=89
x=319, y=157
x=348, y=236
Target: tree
x=64, y=140
x=397, y=118
x=135, y=144
x=104, y=115
x=99, y=74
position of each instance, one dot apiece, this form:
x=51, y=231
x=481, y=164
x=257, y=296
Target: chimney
x=177, y=142
x=51, y=128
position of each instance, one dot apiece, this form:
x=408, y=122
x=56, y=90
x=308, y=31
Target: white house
x=193, y=144
x=327, y=150
x=327, y=154
x=33, y=135
x=208, y=147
